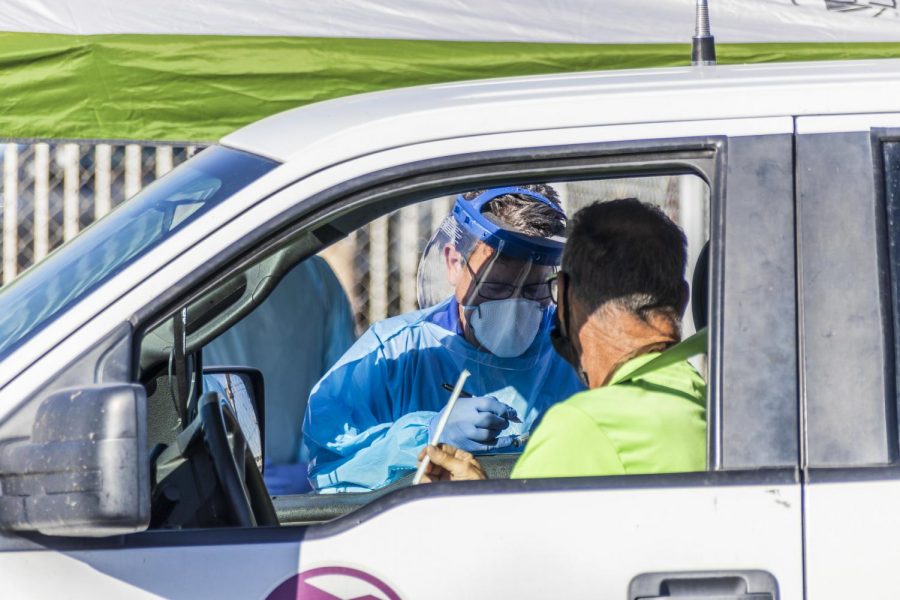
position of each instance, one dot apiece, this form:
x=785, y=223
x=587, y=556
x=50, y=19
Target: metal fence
x=53, y=190
x=378, y=264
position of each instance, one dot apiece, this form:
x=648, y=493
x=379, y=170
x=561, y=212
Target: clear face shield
x=497, y=277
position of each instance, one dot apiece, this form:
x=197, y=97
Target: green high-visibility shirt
x=654, y=423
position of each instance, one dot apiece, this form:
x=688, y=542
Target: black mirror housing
x=84, y=471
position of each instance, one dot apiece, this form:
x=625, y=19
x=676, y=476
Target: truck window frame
x=391, y=188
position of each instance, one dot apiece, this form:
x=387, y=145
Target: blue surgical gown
x=368, y=417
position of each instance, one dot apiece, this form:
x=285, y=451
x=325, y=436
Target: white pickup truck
x=120, y=479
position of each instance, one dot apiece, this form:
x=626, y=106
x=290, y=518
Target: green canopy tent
x=175, y=71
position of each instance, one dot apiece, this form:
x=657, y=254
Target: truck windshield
x=90, y=259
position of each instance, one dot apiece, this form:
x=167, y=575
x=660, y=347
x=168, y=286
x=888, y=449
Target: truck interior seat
x=700, y=289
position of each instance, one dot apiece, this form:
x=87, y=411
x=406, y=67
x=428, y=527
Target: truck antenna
x=703, y=49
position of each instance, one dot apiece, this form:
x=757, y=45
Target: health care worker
x=487, y=308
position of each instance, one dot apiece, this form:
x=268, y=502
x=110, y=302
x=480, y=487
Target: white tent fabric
x=189, y=70
x=572, y=21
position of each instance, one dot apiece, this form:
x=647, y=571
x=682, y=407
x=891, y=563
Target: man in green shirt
x=620, y=293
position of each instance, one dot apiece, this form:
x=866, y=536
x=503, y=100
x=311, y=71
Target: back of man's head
x=627, y=252
x=523, y=214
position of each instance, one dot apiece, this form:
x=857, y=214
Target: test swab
x=435, y=440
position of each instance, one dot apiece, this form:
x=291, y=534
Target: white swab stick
x=435, y=440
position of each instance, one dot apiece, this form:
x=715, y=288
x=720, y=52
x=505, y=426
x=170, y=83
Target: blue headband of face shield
x=470, y=216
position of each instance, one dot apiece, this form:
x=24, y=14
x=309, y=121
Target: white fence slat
x=163, y=160
x=378, y=269
x=562, y=190
x=41, y=201
x=132, y=170
x=10, y=212
x=102, y=180
x=440, y=208
x=409, y=257
x=68, y=158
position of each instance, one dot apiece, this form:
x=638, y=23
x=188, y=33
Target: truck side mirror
x=84, y=471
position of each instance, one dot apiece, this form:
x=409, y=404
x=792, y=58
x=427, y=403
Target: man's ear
x=453, y=261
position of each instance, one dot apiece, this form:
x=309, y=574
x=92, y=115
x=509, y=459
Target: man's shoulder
x=407, y=324
x=568, y=443
x=397, y=335
x=676, y=388
x=600, y=399
x=392, y=326
x=568, y=423
x=627, y=427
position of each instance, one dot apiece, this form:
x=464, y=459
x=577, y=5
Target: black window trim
x=757, y=330
x=831, y=452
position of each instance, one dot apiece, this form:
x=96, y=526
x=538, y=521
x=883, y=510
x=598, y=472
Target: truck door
x=730, y=531
x=848, y=204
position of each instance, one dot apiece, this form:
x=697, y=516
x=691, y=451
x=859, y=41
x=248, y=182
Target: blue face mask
x=506, y=328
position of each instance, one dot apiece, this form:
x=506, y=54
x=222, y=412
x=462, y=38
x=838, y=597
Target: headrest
x=700, y=289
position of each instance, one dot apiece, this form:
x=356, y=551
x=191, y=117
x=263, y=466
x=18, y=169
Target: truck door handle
x=704, y=585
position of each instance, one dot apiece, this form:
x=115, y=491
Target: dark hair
x=628, y=252
x=523, y=214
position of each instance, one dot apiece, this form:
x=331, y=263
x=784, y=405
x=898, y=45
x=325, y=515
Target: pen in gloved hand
x=434, y=441
x=462, y=393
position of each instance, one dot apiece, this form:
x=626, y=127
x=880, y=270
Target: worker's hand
x=450, y=464
x=475, y=424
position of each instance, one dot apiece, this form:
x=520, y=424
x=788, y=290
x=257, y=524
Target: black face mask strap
x=582, y=374
x=565, y=321
x=562, y=341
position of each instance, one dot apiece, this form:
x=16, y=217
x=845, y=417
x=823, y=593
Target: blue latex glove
x=476, y=423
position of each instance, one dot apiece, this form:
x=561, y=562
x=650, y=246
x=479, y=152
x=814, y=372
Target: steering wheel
x=246, y=496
